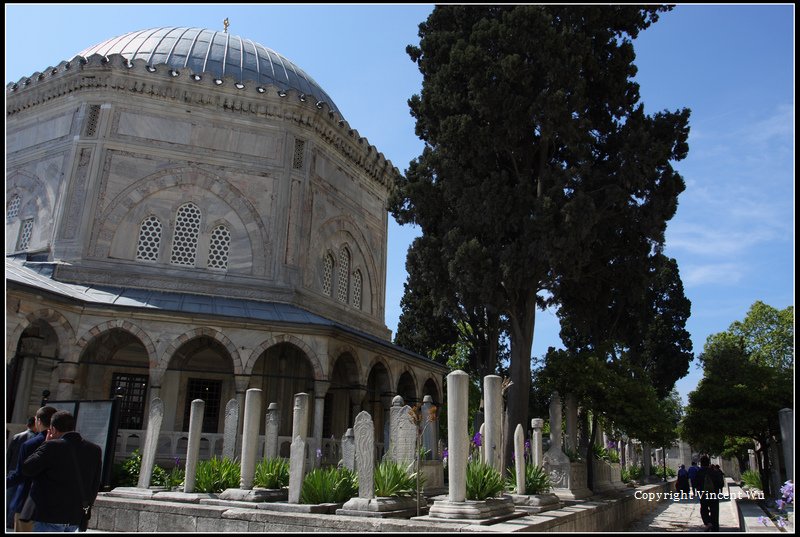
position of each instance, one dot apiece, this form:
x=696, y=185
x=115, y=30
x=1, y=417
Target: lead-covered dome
x=218, y=53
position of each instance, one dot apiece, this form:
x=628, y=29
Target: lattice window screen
x=149, y=239
x=327, y=274
x=187, y=229
x=25, y=232
x=218, y=248
x=344, y=273
x=13, y=207
x=357, y=282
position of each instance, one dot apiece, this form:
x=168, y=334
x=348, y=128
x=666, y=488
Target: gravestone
x=536, y=441
x=272, y=425
x=568, y=479
x=403, y=433
x=786, y=420
x=252, y=411
x=151, y=442
x=430, y=432
x=193, y=447
x=457, y=507
x=297, y=468
x=571, y=440
x=519, y=458
x=493, y=407
x=349, y=450
x=229, y=433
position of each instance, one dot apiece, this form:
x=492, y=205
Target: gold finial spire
x=225, y=23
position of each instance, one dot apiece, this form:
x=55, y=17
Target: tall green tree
x=534, y=137
x=737, y=397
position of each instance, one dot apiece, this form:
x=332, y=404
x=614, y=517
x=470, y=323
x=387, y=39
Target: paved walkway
x=684, y=515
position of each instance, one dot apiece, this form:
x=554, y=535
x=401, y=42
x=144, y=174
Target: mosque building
x=188, y=215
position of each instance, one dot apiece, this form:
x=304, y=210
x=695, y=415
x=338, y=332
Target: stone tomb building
x=189, y=216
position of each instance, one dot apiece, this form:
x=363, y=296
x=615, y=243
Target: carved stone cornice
x=115, y=73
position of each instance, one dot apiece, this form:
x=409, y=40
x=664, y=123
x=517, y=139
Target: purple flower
x=477, y=439
x=319, y=454
x=781, y=522
x=779, y=504
x=445, y=453
x=177, y=462
x=763, y=520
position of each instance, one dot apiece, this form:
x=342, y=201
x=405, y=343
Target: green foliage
x=659, y=471
x=483, y=481
x=573, y=454
x=394, y=479
x=632, y=473
x=272, y=473
x=215, y=475
x=752, y=479
x=168, y=479
x=536, y=480
x=768, y=335
x=737, y=397
x=126, y=473
x=329, y=485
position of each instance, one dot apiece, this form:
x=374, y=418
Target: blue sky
x=732, y=65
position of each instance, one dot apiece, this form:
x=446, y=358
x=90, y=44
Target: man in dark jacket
x=66, y=476
x=15, y=480
x=12, y=457
x=709, y=493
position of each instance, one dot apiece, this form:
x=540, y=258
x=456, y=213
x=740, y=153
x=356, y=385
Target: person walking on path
x=17, y=480
x=682, y=483
x=66, y=472
x=12, y=457
x=709, y=482
x=692, y=471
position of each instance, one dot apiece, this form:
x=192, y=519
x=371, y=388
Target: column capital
x=321, y=388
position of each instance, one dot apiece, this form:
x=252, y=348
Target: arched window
x=13, y=207
x=218, y=248
x=357, y=282
x=343, y=284
x=25, y=232
x=149, y=239
x=327, y=274
x=187, y=229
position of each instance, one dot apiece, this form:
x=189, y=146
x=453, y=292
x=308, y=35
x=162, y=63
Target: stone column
x=403, y=433
x=67, y=372
x=193, y=447
x=24, y=389
x=536, y=442
x=457, y=417
x=493, y=407
x=786, y=419
x=621, y=449
x=519, y=458
x=386, y=404
x=229, y=433
x=252, y=414
x=151, y=442
x=598, y=437
x=320, y=389
x=751, y=458
x=775, y=469
x=572, y=422
x=241, y=382
x=272, y=426
x=357, y=396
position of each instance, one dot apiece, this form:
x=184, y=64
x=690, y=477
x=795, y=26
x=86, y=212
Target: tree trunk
x=522, y=324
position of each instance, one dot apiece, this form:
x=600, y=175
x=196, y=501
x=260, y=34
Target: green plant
x=659, y=471
x=631, y=473
x=126, y=473
x=483, y=481
x=752, y=479
x=329, y=485
x=613, y=455
x=393, y=479
x=215, y=475
x=272, y=473
x=536, y=480
x=573, y=454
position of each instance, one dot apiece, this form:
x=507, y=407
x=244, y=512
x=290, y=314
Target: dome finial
x=225, y=23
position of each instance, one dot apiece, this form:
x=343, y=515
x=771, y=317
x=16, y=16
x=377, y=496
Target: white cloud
x=714, y=273
x=714, y=241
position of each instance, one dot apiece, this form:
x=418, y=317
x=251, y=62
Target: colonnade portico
x=229, y=359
